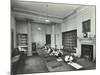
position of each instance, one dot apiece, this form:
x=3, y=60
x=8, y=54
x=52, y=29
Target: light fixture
x=39, y=28
x=47, y=20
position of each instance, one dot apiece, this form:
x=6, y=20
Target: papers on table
x=59, y=59
x=75, y=65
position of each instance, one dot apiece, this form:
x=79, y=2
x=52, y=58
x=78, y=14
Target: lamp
x=39, y=28
x=47, y=20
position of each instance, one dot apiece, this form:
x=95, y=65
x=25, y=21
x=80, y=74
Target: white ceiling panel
x=44, y=9
x=53, y=9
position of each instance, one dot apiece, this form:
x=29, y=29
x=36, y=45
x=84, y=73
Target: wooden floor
x=33, y=64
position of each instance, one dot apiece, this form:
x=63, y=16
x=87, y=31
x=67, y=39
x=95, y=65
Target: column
x=53, y=37
x=29, y=53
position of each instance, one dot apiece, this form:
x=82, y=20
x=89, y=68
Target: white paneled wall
x=75, y=22
x=21, y=26
x=83, y=15
x=69, y=24
x=38, y=36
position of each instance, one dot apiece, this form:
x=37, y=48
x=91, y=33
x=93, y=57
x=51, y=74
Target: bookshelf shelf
x=22, y=39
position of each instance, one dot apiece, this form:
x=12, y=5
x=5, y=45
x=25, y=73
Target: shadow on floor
x=32, y=64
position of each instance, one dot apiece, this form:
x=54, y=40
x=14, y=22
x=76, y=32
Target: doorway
x=48, y=39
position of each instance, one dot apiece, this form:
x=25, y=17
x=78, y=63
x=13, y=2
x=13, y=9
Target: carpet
x=33, y=64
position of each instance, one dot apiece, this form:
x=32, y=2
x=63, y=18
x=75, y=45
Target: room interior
x=60, y=26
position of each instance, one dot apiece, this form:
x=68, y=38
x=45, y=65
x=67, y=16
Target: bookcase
x=22, y=39
x=69, y=39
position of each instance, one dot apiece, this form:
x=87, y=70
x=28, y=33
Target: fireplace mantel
x=89, y=41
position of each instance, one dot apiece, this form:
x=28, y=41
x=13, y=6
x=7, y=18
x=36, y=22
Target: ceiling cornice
x=38, y=14
x=75, y=11
x=33, y=13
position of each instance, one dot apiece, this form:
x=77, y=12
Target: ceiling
x=52, y=10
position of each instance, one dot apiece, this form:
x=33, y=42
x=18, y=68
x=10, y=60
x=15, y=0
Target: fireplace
x=87, y=51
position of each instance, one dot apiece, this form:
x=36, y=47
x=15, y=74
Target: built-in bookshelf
x=69, y=39
x=22, y=39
